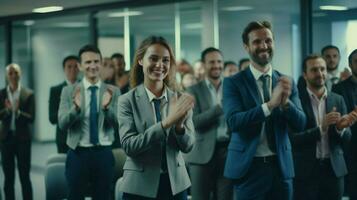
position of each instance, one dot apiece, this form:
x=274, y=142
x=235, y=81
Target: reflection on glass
x=111, y=32
x=191, y=30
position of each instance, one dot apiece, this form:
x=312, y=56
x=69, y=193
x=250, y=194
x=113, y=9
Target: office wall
x=50, y=46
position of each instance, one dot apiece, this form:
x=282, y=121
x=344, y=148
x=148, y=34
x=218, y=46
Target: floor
x=40, y=153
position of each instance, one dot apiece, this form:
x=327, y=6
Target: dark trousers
x=322, y=185
x=164, y=192
x=13, y=148
x=263, y=181
x=61, y=142
x=89, y=172
x=208, y=178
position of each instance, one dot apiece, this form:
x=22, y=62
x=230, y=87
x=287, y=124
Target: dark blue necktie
x=93, y=116
x=269, y=127
x=157, y=105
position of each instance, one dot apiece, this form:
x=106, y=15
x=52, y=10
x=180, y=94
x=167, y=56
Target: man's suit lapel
x=306, y=104
x=144, y=106
x=102, y=89
x=252, y=86
x=205, y=93
x=330, y=103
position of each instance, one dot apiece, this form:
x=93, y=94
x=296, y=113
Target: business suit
x=17, y=143
x=348, y=90
x=244, y=114
x=54, y=101
x=310, y=172
x=208, y=156
x=95, y=162
x=141, y=137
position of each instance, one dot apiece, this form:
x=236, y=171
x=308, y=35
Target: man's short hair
x=252, y=26
x=89, y=48
x=117, y=55
x=241, y=61
x=229, y=63
x=307, y=58
x=70, y=57
x=351, y=55
x=207, y=51
x=329, y=47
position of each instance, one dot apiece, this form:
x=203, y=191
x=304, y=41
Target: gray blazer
x=205, y=119
x=71, y=120
x=304, y=143
x=140, y=138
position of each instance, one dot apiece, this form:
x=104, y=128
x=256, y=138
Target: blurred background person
x=199, y=70
x=331, y=55
x=70, y=66
x=121, y=79
x=183, y=67
x=208, y=156
x=188, y=80
x=107, y=72
x=348, y=89
x=243, y=64
x=17, y=113
x=230, y=68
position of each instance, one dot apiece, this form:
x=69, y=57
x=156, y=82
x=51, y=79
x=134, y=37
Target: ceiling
x=18, y=7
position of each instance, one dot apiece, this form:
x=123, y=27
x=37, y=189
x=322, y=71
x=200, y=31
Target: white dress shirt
x=319, y=109
x=103, y=138
x=216, y=96
x=263, y=147
x=164, y=103
x=14, y=98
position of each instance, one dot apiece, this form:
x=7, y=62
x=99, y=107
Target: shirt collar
x=17, y=90
x=210, y=85
x=87, y=84
x=152, y=96
x=257, y=74
x=312, y=95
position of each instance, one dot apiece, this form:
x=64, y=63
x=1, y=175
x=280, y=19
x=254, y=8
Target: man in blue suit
x=260, y=104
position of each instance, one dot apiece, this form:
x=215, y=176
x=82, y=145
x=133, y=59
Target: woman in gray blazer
x=155, y=126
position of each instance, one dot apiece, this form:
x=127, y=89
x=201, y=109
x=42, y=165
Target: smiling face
x=260, y=46
x=155, y=63
x=90, y=65
x=316, y=72
x=213, y=63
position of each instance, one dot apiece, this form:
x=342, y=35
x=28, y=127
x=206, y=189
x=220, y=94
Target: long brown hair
x=136, y=72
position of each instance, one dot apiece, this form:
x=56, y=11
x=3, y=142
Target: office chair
x=55, y=182
x=56, y=158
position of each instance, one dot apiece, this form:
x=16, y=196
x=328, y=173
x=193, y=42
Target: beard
x=315, y=83
x=331, y=68
x=262, y=61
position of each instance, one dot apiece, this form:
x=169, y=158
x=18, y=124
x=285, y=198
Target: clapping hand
x=77, y=98
x=178, y=110
x=347, y=120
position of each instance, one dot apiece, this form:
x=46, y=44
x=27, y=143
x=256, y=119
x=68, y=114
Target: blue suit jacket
x=242, y=106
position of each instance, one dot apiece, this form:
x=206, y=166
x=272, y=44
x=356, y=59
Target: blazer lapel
x=205, y=93
x=252, y=86
x=306, y=104
x=144, y=106
x=22, y=96
x=330, y=104
x=102, y=89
